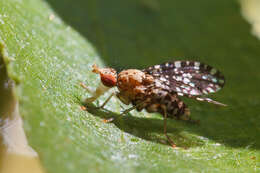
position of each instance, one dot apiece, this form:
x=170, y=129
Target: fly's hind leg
x=126, y=111
x=123, y=113
x=141, y=104
x=165, y=127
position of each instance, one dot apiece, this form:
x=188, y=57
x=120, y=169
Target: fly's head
x=108, y=76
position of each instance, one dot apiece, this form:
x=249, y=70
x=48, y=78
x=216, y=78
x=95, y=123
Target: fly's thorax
x=132, y=83
x=132, y=78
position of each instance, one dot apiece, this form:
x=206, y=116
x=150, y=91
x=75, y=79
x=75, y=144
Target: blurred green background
x=140, y=33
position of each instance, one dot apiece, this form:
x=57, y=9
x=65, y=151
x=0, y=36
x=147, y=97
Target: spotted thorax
x=157, y=88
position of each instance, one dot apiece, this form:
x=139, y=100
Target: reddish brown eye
x=108, y=75
x=108, y=80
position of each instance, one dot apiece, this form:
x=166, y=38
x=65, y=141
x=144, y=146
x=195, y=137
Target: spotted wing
x=188, y=78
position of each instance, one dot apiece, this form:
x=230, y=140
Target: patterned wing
x=188, y=78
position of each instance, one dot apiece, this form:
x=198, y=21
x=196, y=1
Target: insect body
x=157, y=88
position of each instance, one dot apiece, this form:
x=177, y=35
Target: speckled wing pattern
x=188, y=78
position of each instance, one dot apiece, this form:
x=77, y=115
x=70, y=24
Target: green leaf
x=48, y=59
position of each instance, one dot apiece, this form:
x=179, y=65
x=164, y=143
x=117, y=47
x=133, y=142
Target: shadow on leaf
x=150, y=129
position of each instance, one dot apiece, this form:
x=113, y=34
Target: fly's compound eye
x=108, y=80
x=108, y=75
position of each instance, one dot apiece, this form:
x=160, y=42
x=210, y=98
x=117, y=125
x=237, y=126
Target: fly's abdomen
x=160, y=100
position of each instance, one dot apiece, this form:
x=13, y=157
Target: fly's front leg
x=107, y=100
x=165, y=127
x=100, y=90
x=85, y=87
